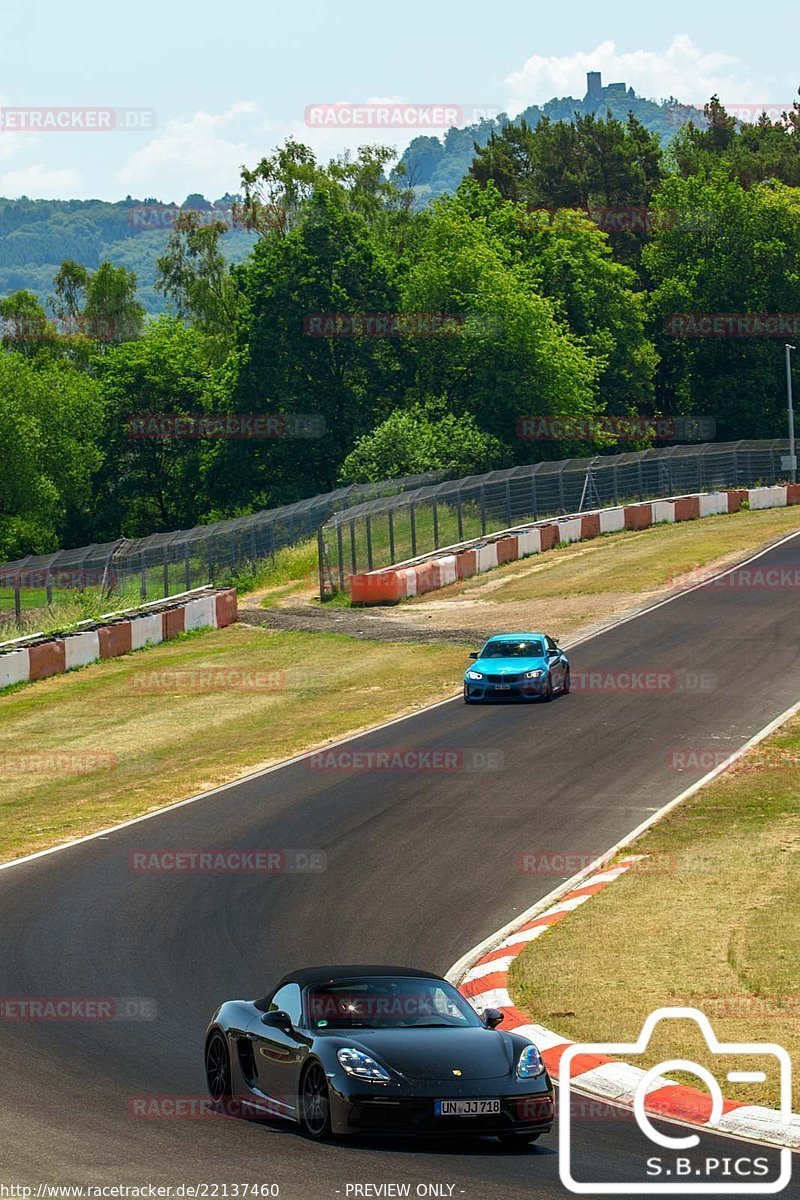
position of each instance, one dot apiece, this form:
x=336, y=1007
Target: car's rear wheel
x=315, y=1103
x=515, y=1141
x=218, y=1070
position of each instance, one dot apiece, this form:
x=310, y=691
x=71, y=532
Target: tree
x=507, y=354
x=424, y=437
x=153, y=478
x=743, y=257
x=50, y=421
x=195, y=276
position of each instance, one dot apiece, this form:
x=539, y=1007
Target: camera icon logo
x=679, y=1175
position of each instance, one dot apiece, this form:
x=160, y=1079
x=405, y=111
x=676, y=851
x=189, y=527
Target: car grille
x=502, y=678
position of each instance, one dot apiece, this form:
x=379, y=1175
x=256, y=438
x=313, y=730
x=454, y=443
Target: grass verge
x=165, y=728
x=580, y=585
x=709, y=920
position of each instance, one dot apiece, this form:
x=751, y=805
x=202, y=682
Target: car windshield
x=521, y=649
x=388, y=1002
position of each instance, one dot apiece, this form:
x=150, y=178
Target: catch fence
x=392, y=529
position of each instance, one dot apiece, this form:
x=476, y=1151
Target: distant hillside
x=434, y=166
x=37, y=235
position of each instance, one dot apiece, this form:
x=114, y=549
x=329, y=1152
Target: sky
x=212, y=85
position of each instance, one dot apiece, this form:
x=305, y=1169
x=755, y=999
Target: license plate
x=502, y=687
x=465, y=1108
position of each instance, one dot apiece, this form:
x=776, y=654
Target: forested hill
x=436, y=165
x=37, y=235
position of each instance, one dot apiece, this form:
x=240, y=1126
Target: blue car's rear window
x=525, y=649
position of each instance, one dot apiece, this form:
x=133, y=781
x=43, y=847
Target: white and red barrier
x=29, y=659
x=391, y=584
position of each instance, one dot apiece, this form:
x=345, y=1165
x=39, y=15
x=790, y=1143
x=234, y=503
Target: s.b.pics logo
x=673, y=1160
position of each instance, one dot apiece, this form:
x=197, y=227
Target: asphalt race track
x=421, y=866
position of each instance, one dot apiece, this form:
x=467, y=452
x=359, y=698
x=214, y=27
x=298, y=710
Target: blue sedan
x=517, y=666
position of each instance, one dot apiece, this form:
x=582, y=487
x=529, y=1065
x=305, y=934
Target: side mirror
x=474, y=654
x=553, y=651
x=492, y=1017
x=277, y=1020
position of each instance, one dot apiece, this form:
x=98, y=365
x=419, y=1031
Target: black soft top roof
x=308, y=976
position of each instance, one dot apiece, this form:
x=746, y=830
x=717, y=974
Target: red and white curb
x=485, y=985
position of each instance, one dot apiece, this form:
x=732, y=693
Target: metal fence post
x=460, y=516
x=340, y=554
x=435, y=525
x=369, y=542
x=166, y=571
x=321, y=562
x=187, y=567
x=412, y=513
x=18, y=605
x=509, y=514
x=483, y=508
x=353, y=557
x=391, y=536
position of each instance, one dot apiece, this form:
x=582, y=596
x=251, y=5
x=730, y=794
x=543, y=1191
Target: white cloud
x=202, y=153
x=40, y=182
x=682, y=70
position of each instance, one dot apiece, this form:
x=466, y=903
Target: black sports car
x=345, y=1050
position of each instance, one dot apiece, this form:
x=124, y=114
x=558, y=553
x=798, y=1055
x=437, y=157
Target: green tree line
x=362, y=337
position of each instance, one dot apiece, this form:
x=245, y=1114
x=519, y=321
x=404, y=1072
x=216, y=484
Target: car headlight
x=533, y=675
x=356, y=1062
x=530, y=1063
x=474, y=675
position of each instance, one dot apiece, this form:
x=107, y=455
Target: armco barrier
x=115, y=639
x=14, y=668
x=528, y=542
x=688, y=508
x=716, y=502
x=768, y=497
x=466, y=564
x=80, y=649
x=46, y=659
x=612, y=520
x=507, y=550
x=148, y=630
x=548, y=536
x=638, y=516
x=590, y=526
x=570, y=531
x=664, y=510
x=391, y=584
x=28, y=659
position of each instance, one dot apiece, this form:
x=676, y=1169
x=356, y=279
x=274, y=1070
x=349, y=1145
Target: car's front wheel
x=567, y=683
x=218, y=1070
x=315, y=1103
x=516, y=1141
x=547, y=691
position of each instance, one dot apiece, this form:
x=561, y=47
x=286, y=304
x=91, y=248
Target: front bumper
x=524, y=689
x=393, y=1111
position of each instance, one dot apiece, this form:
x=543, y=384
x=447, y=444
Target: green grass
x=314, y=688
x=709, y=920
